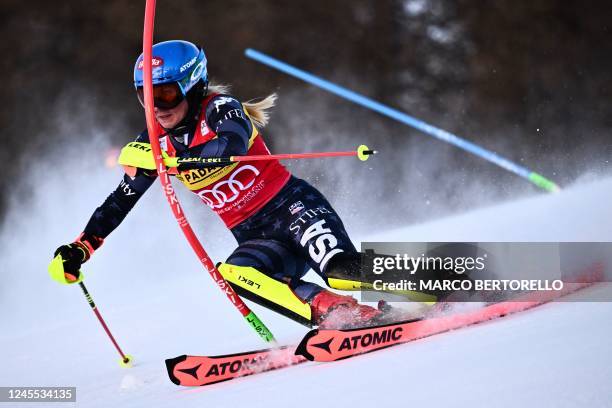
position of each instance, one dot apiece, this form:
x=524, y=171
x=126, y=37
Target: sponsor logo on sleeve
x=296, y=207
x=127, y=190
x=222, y=101
x=234, y=113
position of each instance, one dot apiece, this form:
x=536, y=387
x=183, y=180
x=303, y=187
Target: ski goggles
x=165, y=96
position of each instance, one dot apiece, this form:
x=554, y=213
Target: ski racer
x=283, y=225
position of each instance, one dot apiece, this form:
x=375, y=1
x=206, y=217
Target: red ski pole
x=362, y=152
x=137, y=154
x=147, y=46
x=126, y=360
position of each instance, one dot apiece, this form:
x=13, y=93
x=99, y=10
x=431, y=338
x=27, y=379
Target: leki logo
x=229, y=190
x=249, y=282
x=155, y=62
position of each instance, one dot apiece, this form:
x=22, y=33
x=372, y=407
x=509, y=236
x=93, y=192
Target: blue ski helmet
x=174, y=61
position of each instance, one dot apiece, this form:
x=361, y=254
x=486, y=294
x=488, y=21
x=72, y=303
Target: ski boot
x=333, y=311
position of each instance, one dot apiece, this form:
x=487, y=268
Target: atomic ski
x=200, y=370
x=331, y=345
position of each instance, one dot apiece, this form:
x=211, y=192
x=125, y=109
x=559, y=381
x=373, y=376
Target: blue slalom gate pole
x=535, y=178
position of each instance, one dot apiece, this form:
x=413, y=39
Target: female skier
x=283, y=225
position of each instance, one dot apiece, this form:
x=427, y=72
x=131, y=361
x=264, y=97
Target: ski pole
x=126, y=359
x=136, y=154
x=147, y=46
x=362, y=152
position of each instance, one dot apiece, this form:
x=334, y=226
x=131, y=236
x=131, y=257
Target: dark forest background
x=529, y=79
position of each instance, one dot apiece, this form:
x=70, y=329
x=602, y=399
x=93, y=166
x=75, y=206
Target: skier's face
x=169, y=118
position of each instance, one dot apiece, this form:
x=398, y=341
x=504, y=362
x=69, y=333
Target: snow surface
x=163, y=304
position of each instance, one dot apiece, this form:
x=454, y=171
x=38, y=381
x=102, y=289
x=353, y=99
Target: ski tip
x=170, y=364
x=302, y=348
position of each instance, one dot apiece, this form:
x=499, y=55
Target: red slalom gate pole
x=147, y=46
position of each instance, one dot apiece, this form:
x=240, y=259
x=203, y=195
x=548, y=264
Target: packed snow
x=160, y=303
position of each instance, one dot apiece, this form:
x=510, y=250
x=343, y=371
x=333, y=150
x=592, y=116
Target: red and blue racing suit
x=283, y=225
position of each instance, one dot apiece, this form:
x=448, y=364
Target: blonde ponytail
x=258, y=111
x=219, y=89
